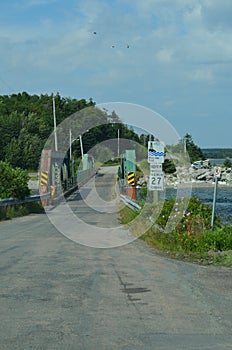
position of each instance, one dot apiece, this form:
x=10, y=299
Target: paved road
x=91, y=216
x=57, y=294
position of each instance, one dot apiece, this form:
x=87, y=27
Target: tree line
x=217, y=153
x=26, y=121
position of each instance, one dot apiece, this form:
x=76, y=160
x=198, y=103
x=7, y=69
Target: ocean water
x=205, y=194
x=217, y=161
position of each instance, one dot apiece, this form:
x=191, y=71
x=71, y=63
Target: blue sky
x=179, y=62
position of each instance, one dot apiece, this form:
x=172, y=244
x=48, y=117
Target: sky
x=178, y=63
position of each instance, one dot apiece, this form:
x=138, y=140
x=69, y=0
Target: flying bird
x=113, y=46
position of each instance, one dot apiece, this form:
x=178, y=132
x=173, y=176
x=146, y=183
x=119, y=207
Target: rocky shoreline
x=193, y=177
x=199, y=177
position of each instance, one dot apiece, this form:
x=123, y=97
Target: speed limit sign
x=156, y=181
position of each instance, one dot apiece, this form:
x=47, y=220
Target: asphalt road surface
x=58, y=294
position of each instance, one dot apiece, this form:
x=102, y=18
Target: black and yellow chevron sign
x=131, y=178
x=44, y=178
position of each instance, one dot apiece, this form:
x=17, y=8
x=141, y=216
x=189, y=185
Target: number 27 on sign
x=156, y=182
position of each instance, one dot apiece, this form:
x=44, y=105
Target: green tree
x=24, y=151
x=143, y=139
x=169, y=166
x=13, y=153
x=227, y=163
x=13, y=182
x=27, y=121
x=194, y=152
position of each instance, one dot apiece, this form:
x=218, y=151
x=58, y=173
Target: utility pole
x=214, y=202
x=70, y=153
x=118, y=143
x=70, y=144
x=217, y=175
x=54, y=118
x=185, y=148
x=82, y=152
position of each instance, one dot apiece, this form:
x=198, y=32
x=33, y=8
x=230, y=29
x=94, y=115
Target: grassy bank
x=190, y=237
x=10, y=212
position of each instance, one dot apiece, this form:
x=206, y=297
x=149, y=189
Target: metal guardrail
x=36, y=198
x=130, y=203
x=134, y=206
x=14, y=201
x=83, y=177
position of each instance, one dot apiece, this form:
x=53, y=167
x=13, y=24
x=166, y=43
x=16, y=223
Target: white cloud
x=207, y=47
x=202, y=74
x=165, y=55
x=177, y=43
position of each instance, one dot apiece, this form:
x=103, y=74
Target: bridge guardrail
x=130, y=203
x=134, y=206
x=83, y=177
x=14, y=201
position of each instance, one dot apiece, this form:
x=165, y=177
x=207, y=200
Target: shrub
x=13, y=182
x=192, y=232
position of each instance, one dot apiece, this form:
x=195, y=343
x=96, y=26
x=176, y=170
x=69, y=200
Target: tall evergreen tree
x=194, y=152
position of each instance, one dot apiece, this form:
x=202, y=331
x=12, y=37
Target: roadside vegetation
x=13, y=211
x=191, y=238
x=14, y=184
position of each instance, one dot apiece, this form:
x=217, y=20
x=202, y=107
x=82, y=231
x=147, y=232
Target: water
x=205, y=194
x=223, y=202
x=216, y=161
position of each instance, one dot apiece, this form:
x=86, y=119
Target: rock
x=190, y=175
x=205, y=175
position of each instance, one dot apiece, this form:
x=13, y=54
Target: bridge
x=57, y=174
x=57, y=294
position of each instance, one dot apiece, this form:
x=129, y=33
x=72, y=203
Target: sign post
x=217, y=175
x=156, y=158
